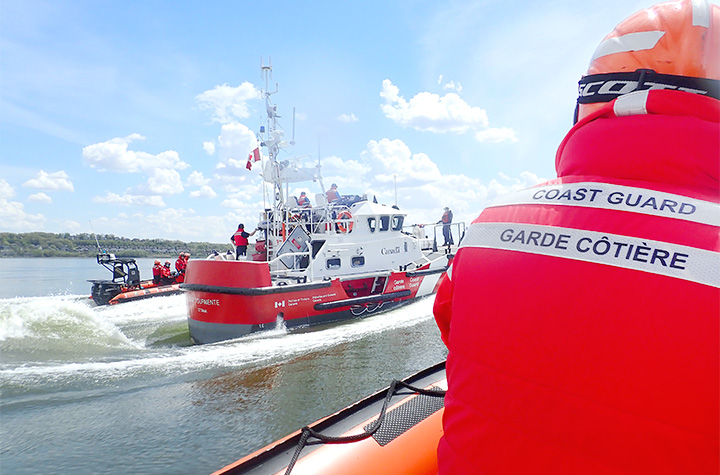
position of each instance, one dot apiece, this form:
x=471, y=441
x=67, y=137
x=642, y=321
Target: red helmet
x=672, y=45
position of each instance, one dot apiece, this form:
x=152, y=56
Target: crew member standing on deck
x=332, y=194
x=240, y=240
x=446, y=221
x=157, y=272
x=180, y=266
x=582, y=315
x=304, y=201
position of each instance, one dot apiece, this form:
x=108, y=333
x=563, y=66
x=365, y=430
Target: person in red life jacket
x=166, y=276
x=446, y=221
x=582, y=315
x=332, y=194
x=180, y=266
x=240, y=240
x=157, y=272
x=304, y=201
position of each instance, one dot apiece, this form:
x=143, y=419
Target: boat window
x=372, y=224
x=333, y=263
x=384, y=223
x=397, y=222
x=316, y=245
x=358, y=261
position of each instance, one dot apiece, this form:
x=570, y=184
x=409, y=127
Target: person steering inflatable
x=581, y=315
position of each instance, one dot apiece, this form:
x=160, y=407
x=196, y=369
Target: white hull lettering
x=656, y=257
x=617, y=197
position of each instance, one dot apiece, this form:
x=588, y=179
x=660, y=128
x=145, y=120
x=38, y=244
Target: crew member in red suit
x=166, y=277
x=157, y=272
x=180, y=266
x=332, y=194
x=304, y=201
x=581, y=315
x=240, y=240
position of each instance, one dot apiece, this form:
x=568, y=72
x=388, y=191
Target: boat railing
x=328, y=219
x=425, y=260
x=429, y=233
x=298, y=268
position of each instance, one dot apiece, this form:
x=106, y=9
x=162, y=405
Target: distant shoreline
x=45, y=245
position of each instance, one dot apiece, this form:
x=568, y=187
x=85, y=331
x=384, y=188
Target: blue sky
x=135, y=118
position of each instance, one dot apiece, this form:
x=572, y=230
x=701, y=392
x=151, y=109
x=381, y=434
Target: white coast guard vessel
x=345, y=259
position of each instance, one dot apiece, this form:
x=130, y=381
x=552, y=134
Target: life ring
x=344, y=216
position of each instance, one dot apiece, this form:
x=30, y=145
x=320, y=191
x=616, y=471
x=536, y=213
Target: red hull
x=228, y=299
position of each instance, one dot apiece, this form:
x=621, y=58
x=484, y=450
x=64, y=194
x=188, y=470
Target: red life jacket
x=332, y=195
x=581, y=315
x=447, y=217
x=157, y=270
x=180, y=264
x=238, y=238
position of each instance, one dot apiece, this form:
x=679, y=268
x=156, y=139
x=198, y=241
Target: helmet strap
x=606, y=87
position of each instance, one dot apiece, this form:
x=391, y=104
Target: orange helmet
x=672, y=45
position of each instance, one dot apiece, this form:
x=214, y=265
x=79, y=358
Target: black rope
x=308, y=432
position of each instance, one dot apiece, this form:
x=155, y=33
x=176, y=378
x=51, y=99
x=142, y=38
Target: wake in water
x=60, y=343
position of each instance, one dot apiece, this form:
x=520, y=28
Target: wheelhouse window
x=358, y=261
x=372, y=224
x=397, y=223
x=333, y=263
x=384, y=223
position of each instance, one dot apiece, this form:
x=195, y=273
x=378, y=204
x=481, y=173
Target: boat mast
x=272, y=140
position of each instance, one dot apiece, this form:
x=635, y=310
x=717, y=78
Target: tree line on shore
x=39, y=244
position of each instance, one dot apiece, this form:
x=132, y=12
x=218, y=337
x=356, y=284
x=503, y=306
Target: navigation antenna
x=96, y=239
x=292, y=142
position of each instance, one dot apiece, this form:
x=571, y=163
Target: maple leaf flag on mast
x=253, y=157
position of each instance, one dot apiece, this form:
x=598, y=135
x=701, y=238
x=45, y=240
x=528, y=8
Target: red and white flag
x=254, y=156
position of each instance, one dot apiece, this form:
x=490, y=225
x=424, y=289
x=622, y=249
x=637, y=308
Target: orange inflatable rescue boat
x=394, y=431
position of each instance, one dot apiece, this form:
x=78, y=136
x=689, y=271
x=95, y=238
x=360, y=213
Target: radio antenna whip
x=96, y=239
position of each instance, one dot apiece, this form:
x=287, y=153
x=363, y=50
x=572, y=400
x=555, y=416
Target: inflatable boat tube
x=394, y=431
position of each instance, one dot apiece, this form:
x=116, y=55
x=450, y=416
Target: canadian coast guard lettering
x=673, y=260
x=617, y=197
x=392, y=250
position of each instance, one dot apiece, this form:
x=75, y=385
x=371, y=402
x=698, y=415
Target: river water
x=121, y=389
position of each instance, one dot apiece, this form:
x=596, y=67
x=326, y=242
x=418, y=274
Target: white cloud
x=72, y=226
x=431, y=112
x=501, y=134
x=227, y=103
x=209, y=147
x=347, y=118
x=40, y=198
x=183, y=224
x=165, y=181
x=197, y=178
x=114, y=155
x=235, y=142
x=392, y=161
x=57, y=181
x=204, y=192
x=388, y=168
x=13, y=217
x=130, y=200
x=6, y=190
x=233, y=203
